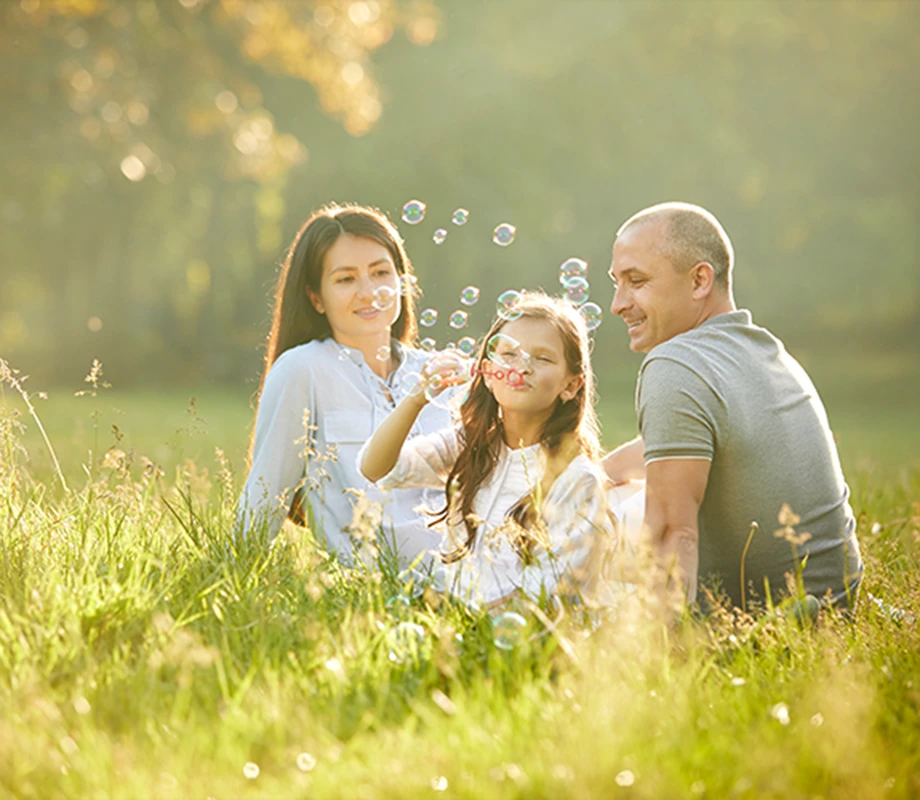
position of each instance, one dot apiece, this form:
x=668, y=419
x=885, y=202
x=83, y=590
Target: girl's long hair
x=294, y=319
x=571, y=428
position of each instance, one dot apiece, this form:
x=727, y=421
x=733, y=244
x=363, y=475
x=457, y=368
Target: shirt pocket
x=347, y=427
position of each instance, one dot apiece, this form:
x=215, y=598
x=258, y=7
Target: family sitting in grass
x=733, y=485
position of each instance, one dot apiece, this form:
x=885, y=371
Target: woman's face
x=354, y=269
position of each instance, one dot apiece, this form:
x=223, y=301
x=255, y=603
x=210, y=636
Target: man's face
x=655, y=300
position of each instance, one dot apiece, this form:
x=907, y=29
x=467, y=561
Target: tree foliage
x=157, y=156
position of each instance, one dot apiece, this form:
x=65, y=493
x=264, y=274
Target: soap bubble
x=251, y=770
x=398, y=605
x=408, y=285
x=501, y=349
x=405, y=643
x=450, y=346
x=428, y=344
x=508, y=630
x=466, y=345
x=503, y=234
x=507, y=305
x=383, y=352
x=428, y=317
x=577, y=290
x=460, y=217
x=439, y=236
x=469, y=296
x=459, y=319
x=592, y=314
x=572, y=268
x=448, y=369
x=414, y=212
x=384, y=297
x=413, y=383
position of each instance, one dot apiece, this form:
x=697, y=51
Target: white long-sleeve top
x=575, y=512
x=345, y=402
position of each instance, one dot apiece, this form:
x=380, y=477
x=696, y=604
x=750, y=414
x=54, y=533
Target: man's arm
x=674, y=493
x=625, y=463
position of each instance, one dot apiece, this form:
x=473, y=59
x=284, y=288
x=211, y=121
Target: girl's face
x=539, y=361
x=356, y=267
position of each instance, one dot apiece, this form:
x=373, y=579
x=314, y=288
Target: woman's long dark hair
x=571, y=429
x=294, y=319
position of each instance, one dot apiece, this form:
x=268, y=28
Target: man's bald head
x=690, y=235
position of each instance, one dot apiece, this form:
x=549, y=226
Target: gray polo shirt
x=727, y=391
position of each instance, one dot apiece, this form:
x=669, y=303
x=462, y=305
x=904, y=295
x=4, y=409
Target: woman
x=339, y=358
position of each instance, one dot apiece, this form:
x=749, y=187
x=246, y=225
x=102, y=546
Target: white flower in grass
x=625, y=778
x=780, y=712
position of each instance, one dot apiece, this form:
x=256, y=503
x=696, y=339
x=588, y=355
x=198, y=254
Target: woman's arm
x=282, y=437
x=379, y=455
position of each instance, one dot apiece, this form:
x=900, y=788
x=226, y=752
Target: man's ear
x=316, y=300
x=703, y=276
x=571, y=388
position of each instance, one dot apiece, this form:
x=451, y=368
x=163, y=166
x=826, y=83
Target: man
x=731, y=428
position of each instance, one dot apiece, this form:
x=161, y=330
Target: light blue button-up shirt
x=343, y=401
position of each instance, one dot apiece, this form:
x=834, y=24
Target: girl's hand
x=445, y=369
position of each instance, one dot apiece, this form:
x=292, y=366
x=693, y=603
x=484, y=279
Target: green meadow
x=143, y=653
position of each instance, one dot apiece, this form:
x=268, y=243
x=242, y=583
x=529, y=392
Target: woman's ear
x=571, y=388
x=316, y=300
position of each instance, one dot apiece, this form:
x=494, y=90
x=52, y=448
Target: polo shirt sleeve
x=677, y=411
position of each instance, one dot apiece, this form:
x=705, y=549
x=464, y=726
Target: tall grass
x=146, y=652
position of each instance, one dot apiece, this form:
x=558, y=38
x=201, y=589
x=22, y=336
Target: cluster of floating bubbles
x=460, y=216
x=439, y=236
x=428, y=317
x=384, y=297
x=503, y=235
x=573, y=275
x=508, y=630
x=459, y=319
x=413, y=212
x=469, y=296
x=405, y=643
x=508, y=305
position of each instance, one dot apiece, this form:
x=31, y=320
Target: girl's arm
x=381, y=452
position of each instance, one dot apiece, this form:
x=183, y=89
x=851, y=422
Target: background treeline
x=157, y=157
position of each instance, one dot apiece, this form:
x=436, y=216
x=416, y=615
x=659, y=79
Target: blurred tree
x=152, y=164
x=137, y=131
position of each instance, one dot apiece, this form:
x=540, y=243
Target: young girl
x=338, y=359
x=525, y=501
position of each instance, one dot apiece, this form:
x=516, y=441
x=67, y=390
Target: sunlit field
x=143, y=654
